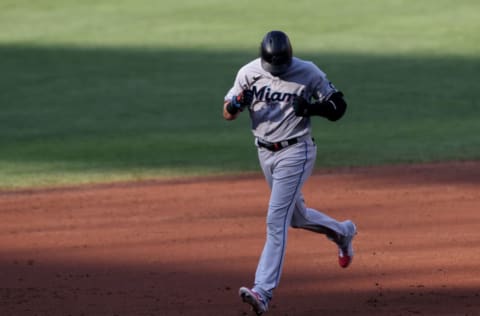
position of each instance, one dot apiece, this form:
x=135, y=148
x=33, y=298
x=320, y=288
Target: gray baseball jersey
x=272, y=115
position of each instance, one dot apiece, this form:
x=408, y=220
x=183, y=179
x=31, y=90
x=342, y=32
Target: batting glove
x=301, y=106
x=240, y=101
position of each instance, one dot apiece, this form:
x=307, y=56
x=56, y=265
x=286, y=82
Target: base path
x=185, y=247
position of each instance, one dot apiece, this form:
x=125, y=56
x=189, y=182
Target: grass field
x=95, y=91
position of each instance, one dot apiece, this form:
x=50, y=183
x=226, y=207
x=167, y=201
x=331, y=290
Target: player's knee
x=294, y=224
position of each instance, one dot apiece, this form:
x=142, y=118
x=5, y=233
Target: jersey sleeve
x=322, y=87
x=238, y=85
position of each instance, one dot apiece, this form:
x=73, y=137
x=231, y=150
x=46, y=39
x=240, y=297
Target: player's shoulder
x=251, y=72
x=307, y=66
x=253, y=66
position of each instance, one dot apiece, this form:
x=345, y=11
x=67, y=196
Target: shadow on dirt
x=30, y=287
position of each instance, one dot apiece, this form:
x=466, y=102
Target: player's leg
x=341, y=233
x=311, y=219
x=285, y=172
x=316, y=221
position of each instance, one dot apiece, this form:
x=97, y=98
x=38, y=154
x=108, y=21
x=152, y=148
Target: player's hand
x=243, y=99
x=300, y=106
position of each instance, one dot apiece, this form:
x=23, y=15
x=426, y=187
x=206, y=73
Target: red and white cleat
x=345, y=248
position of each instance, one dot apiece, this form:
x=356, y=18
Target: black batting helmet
x=276, y=52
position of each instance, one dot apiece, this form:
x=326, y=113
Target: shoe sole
x=248, y=298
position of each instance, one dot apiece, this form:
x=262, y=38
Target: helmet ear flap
x=276, y=52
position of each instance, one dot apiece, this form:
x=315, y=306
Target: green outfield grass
x=94, y=91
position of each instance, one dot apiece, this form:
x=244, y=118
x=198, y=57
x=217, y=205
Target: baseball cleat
x=345, y=247
x=254, y=299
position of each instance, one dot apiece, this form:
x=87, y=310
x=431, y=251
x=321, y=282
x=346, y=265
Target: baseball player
x=281, y=93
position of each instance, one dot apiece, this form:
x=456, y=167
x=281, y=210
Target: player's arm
x=332, y=108
x=232, y=107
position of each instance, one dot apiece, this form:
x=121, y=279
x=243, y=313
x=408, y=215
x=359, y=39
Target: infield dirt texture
x=184, y=247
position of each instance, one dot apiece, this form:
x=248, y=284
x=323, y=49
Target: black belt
x=276, y=146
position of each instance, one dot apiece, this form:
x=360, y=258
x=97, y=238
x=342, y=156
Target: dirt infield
x=184, y=247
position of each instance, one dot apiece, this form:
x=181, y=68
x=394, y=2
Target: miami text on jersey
x=265, y=94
